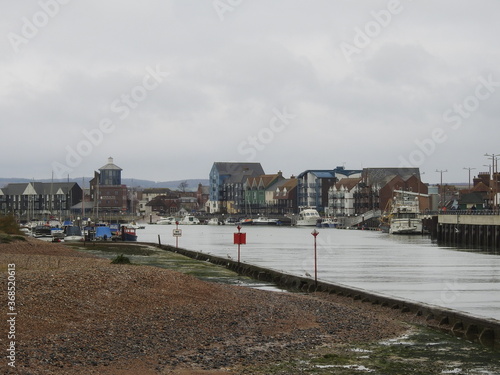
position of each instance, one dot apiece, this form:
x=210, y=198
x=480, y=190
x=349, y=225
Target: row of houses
x=36, y=199
x=245, y=188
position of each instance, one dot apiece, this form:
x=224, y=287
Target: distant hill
x=192, y=184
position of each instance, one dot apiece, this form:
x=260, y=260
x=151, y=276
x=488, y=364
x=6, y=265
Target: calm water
x=410, y=267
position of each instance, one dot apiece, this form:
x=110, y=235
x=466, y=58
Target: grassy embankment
x=9, y=230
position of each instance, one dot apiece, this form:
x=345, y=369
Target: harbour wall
x=482, y=330
x=465, y=229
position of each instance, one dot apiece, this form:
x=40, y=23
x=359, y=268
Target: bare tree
x=183, y=186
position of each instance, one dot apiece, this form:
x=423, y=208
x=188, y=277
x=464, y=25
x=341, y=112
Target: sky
x=169, y=87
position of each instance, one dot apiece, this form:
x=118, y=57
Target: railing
x=462, y=212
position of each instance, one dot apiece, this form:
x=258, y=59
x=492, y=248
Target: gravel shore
x=78, y=314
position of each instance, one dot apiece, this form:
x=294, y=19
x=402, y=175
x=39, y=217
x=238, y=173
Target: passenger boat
x=308, y=217
x=405, y=213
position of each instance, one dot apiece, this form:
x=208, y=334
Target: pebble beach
x=79, y=314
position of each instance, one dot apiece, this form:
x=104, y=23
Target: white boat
x=262, y=220
x=330, y=222
x=73, y=234
x=308, y=217
x=134, y=225
x=405, y=213
x=57, y=234
x=231, y=221
x=213, y=221
x=167, y=221
x=189, y=220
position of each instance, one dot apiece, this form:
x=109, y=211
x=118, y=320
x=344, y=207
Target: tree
x=183, y=186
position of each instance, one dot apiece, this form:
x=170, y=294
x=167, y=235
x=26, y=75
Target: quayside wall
x=465, y=228
x=483, y=330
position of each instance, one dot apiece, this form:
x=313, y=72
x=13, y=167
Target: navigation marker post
x=177, y=233
x=240, y=238
x=315, y=234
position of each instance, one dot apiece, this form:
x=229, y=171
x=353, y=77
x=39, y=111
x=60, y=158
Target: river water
x=409, y=267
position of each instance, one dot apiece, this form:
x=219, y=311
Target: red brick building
x=107, y=191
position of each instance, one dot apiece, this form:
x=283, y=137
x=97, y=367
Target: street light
x=469, y=169
x=493, y=177
x=441, y=185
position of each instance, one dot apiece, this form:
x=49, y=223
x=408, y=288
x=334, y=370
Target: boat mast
x=83, y=198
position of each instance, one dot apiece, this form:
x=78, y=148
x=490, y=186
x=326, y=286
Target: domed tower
x=110, y=174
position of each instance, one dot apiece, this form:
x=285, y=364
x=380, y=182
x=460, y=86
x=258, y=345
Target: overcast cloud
x=169, y=87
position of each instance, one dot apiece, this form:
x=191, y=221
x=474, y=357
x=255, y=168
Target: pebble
x=92, y=314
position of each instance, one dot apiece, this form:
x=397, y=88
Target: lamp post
x=493, y=177
x=441, y=185
x=469, y=169
x=315, y=234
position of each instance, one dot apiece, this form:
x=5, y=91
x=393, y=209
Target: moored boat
x=189, y=220
x=405, y=213
x=246, y=222
x=102, y=233
x=213, y=221
x=73, y=233
x=167, y=221
x=135, y=225
x=308, y=217
x=57, y=234
x=262, y=220
x=128, y=233
x=330, y=222
x=231, y=221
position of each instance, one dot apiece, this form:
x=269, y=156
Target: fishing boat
x=308, y=217
x=405, y=213
x=128, y=233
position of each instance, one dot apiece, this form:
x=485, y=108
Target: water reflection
x=410, y=267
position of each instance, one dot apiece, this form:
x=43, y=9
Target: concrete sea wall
x=483, y=330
